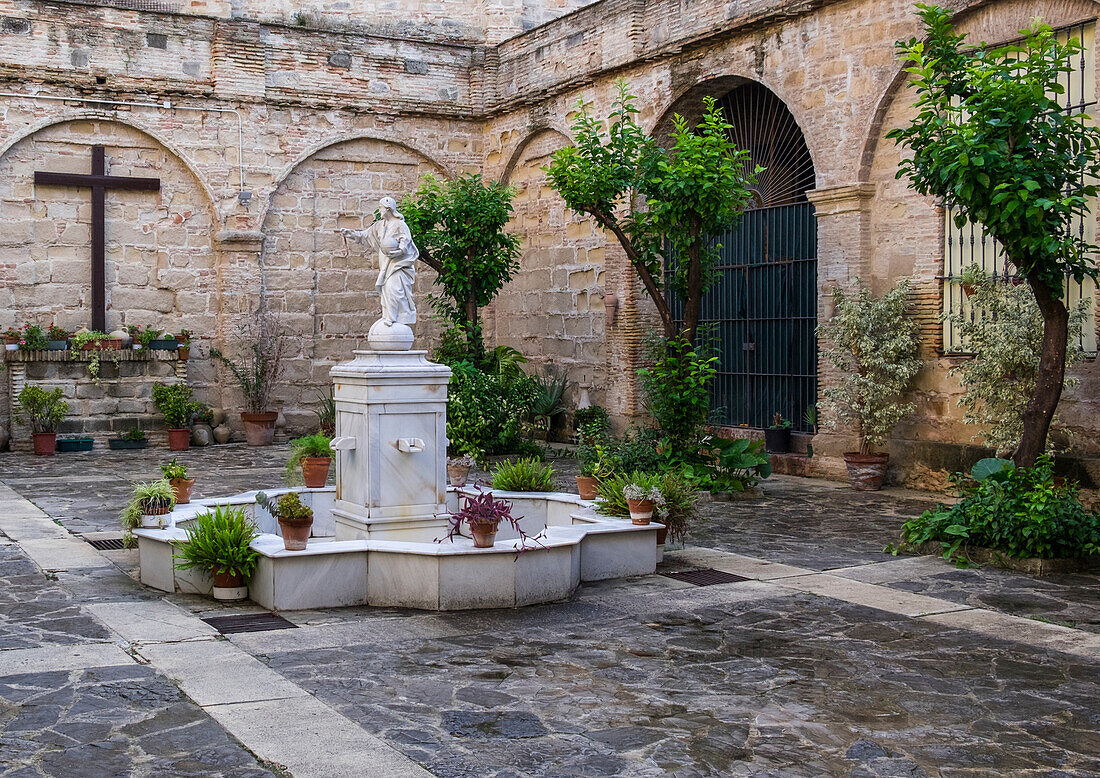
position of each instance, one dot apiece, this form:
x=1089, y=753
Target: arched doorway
x=763, y=307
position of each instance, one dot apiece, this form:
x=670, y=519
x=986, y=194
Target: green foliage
x=148, y=335
x=77, y=343
x=176, y=403
x=1005, y=333
x=526, y=474
x=42, y=410
x=315, y=445
x=991, y=139
x=326, y=412
x=732, y=465
x=174, y=470
x=597, y=461
x=677, y=389
x=665, y=206
x=486, y=411
x=57, y=333
x=680, y=507
x=1018, y=511
x=779, y=423
x=459, y=228
x=134, y=433
x=875, y=343
x=549, y=402
x=143, y=498
x=263, y=344
x=80, y=339
x=592, y=422
x=643, y=449
x=218, y=542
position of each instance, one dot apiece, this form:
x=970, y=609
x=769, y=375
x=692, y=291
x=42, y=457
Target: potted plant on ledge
x=176, y=403
x=876, y=346
x=777, y=437
x=458, y=469
x=483, y=513
x=295, y=519
x=133, y=438
x=43, y=411
x=219, y=544
x=176, y=475
x=262, y=344
x=314, y=454
x=643, y=498
x=149, y=504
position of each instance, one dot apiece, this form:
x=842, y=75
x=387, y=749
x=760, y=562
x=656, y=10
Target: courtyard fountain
x=376, y=534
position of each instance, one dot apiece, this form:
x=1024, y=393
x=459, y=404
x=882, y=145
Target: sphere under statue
x=389, y=237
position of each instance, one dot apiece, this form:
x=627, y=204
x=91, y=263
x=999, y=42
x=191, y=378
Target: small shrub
x=219, y=542
x=42, y=410
x=176, y=403
x=591, y=423
x=33, y=338
x=174, y=470
x=316, y=445
x=326, y=413
x=485, y=412
x=1019, y=511
x=677, y=388
x=527, y=474
x=134, y=433
x=288, y=507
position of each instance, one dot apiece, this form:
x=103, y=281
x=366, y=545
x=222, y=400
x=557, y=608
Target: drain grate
x=106, y=544
x=249, y=622
x=705, y=577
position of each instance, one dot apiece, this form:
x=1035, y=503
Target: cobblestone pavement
x=880, y=666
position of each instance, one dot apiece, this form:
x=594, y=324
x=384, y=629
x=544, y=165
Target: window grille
x=969, y=244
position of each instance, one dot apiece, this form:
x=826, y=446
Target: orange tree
x=991, y=140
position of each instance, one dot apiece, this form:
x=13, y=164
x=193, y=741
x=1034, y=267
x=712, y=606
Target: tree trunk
x=473, y=337
x=694, y=303
x=1050, y=379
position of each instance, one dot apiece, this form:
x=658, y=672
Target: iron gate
x=762, y=313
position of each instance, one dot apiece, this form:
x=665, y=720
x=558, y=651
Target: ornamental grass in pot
x=295, y=520
x=262, y=346
x=43, y=412
x=176, y=475
x=482, y=514
x=149, y=505
x=313, y=453
x=876, y=345
x=176, y=402
x=526, y=474
x=219, y=544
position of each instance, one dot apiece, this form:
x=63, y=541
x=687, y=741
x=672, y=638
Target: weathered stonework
x=337, y=102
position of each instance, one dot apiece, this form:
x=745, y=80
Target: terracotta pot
x=184, y=353
x=111, y=344
x=227, y=580
x=866, y=472
x=662, y=535
x=229, y=588
x=295, y=534
x=45, y=443
x=315, y=471
x=259, y=428
x=641, y=511
x=457, y=474
x=179, y=439
x=484, y=535
x=588, y=487
x=182, y=488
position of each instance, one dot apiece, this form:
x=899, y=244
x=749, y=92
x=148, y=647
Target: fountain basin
x=569, y=544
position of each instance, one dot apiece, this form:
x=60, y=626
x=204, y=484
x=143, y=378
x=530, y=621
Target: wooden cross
x=100, y=182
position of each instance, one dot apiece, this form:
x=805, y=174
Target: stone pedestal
x=391, y=446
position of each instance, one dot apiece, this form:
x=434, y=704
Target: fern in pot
x=219, y=544
x=876, y=345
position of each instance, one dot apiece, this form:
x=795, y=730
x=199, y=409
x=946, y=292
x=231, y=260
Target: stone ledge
x=1029, y=565
x=68, y=355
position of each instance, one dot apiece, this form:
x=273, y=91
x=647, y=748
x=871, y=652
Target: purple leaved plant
x=481, y=509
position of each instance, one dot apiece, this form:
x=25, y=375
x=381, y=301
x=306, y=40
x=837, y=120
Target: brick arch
x=325, y=287
x=161, y=265
x=521, y=146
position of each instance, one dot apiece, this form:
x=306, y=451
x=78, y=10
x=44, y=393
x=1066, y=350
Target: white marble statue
x=389, y=236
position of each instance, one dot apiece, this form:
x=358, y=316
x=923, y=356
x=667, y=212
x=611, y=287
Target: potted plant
x=11, y=339
x=262, y=344
x=176, y=475
x=132, y=438
x=314, y=454
x=597, y=463
x=57, y=338
x=94, y=340
x=326, y=412
x=458, y=469
x=183, y=345
x=42, y=411
x=643, y=498
x=549, y=402
x=220, y=544
x=163, y=341
x=526, y=474
x=777, y=437
x=149, y=504
x=176, y=403
x=876, y=346
x=67, y=445
x=295, y=519
x=483, y=513
x=33, y=338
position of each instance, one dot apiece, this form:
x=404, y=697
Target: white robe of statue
x=389, y=236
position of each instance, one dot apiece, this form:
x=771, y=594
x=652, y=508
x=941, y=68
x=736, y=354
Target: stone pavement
x=831, y=659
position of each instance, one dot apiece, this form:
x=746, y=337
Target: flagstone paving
x=838, y=659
